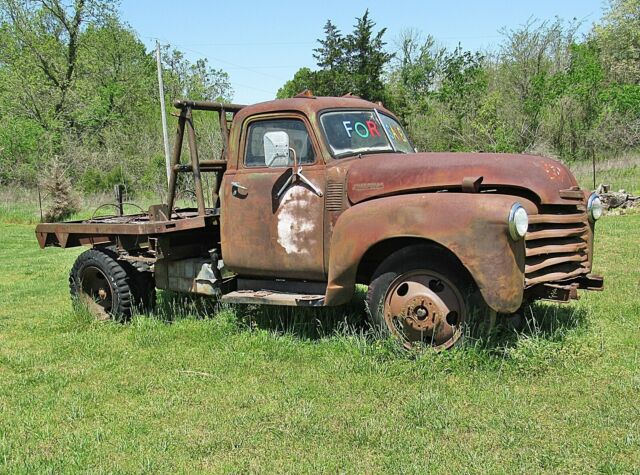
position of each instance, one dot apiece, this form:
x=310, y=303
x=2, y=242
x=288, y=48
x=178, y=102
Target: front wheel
x=423, y=296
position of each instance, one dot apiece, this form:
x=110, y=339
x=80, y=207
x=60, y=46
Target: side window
x=299, y=140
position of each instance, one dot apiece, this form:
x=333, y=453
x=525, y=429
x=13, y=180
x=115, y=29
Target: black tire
x=144, y=291
x=440, y=303
x=111, y=288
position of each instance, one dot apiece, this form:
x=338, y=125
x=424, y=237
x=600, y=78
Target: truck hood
x=378, y=175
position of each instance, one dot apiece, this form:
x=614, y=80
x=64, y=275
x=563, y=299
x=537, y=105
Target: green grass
x=278, y=390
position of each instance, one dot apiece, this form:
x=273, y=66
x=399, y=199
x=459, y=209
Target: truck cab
x=318, y=194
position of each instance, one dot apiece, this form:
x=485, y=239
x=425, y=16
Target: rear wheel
x=110, y=288
x=423, y=296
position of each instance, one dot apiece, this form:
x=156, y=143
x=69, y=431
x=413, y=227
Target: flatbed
x=105, y=229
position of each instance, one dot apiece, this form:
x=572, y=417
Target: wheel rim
x=97, y=291
x=424, y=307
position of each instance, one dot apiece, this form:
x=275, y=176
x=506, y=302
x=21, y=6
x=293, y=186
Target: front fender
x=472, y=226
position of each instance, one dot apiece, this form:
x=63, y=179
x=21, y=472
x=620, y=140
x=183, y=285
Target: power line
x=239, y=66
x=234, y=84
x=208, y=56
x=279, y=43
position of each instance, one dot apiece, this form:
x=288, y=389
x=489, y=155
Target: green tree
x=352, y=64
x=196, y=80
x=303, y=79
x=618, y=38
x=77, y=84
x=42, y=41
x=366, y=59
x=331, y=52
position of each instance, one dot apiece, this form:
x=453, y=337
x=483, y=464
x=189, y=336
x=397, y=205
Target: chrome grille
x=557, y=245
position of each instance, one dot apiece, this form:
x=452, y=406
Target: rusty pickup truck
x=314, y=195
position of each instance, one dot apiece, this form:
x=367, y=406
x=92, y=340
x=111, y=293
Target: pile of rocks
x=617, y=199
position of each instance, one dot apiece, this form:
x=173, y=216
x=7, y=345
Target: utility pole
x=163, y=112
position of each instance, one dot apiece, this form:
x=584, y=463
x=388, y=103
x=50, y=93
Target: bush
x=57, y=187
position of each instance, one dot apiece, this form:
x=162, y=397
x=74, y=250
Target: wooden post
x=118, y=189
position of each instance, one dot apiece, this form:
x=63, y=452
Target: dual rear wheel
x=110, y=287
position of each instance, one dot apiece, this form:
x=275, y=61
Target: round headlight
x=594, y=207
x=518, y=221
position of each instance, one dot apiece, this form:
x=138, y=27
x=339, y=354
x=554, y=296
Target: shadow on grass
x=543, y=320
x=546, y=323
x=300, y=322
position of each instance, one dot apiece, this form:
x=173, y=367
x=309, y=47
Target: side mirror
x=276, y=149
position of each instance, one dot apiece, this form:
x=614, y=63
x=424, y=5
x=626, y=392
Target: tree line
x=545, y=89
x=78, y=90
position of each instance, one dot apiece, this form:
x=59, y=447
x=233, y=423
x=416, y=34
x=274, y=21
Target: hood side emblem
x=367, y=186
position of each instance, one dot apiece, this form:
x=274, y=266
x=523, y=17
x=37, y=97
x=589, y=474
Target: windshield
x=396, y=134
x=355, y=132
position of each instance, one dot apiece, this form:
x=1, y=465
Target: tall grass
x=621, y=172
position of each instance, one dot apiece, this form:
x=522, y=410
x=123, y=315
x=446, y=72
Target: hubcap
x=423, y=306
x=97, y=289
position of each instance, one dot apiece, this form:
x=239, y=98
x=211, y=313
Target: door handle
x=238, y=186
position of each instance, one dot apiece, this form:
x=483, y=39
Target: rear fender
x=472, y=226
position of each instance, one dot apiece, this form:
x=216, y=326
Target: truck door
x=268, y=228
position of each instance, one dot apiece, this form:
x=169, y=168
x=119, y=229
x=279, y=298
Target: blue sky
x=262, y=44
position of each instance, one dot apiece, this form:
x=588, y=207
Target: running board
x=269, y=297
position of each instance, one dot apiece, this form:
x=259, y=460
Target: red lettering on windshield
x=373, y=128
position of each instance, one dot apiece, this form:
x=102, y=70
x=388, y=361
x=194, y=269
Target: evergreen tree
x=331, y=53
x=366, y=59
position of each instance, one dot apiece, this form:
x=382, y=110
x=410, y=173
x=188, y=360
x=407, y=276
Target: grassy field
x=250, y=390
x=622, y=172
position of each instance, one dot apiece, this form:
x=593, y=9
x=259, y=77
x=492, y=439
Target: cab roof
x=308, y=105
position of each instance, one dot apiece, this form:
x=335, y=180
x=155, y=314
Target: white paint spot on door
x=295, y=225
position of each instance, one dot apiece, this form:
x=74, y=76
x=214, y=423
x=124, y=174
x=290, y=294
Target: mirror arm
x=285, y=186
x=308, y=182
x=297, y=173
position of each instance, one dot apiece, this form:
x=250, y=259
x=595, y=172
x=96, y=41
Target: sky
x=262, y=44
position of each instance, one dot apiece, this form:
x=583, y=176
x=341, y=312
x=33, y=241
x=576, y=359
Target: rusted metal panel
x=388, y=174
x=529, y=268
x=207, y=105
x=559, y=218
x=276, y=236
x=556, y=249
x=472, y=226
x=553, y=292
x=558, y=245
x=555, y=233
x=268, y=297
x=76, y=233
